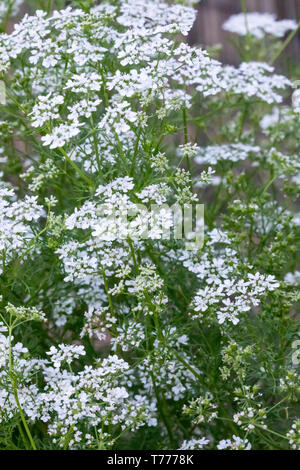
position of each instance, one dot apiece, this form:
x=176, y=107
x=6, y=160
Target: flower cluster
x=115, y=131
x=258, y=25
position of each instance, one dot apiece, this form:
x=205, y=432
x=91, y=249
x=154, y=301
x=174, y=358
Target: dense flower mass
x=118, y=330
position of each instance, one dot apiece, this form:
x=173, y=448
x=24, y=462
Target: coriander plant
x=115, y=333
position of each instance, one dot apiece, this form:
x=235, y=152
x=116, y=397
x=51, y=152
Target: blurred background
x=208, y=31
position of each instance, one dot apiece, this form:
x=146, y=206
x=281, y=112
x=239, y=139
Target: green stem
x=186, y=138
x=243, y=119
x=187, y=365
x=277, y=404
x=73, y=164
x=23, y=436
x=272, y=432
x=133, y=254
x=76, y=168
x=268, y=184
x=15, y=392
x=96, y=144
x=248, y=36
x=285, y=44
x=111, y=307
x=49, y=8
x=161, y=401
x=164, y=415
x=13, y=99
x=7, y=16
x=136, y=148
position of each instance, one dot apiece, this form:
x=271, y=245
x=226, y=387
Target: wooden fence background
x=207, y=29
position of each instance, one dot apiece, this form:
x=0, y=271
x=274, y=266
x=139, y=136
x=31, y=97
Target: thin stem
x=248, y=37
x=243, y=119
x=161, y=401
x=13, y=99
x=185, y=130
x=164, y=415
x=96, y=144
x=15, y=392
x=49, y=8
x=285, y=44
x=187, y=365
x=73, y=164
x=76, y=168
x=7, y=16
x=105, y=94
x=23, y=436
x=277, y=404
x=268, y=184
x=272, y=432
x=186, y=138
x=111, y=307
x=136, y=148
x=132, y=253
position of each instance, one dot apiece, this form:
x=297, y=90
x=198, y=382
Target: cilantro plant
x=120, y=337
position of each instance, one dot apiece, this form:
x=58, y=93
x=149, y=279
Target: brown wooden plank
x=207, y=29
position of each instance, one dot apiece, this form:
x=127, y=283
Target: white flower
x=61, y=134
x=258, y=24
x=236, y=443
x=194, y=444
